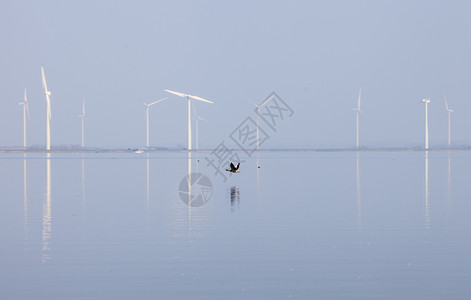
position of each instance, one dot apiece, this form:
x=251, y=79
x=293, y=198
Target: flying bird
x=234, y=169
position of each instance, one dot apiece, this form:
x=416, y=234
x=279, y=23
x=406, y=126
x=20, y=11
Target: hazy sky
x=315, y=55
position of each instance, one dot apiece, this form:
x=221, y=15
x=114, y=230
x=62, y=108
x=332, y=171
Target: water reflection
x=46, y=220
x=147, y=185
x=358, y=190
x=25, y=199
x=449, y=180
x=189, y=191
x=426, y=194
x=258, y=181
x=235, y=198
x=83, y=191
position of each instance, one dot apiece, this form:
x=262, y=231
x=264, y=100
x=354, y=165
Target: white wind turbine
x=188, y=97
x=197, y=118
x=449, y=111
x=82, y=116
x=25, y=113
x=426, y=101
x=259, y=107
x=48, y=112
x=147, y=117
x=357, y=110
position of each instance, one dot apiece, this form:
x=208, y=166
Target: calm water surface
x=372, y=225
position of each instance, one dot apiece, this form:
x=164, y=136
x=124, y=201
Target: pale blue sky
x=315, y=55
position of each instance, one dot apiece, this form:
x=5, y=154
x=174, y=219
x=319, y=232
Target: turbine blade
x=25, y=98
x=199, y=98
x=359, y=98
x=44, y=79
x=202, y=119
x=27, y=109
x=155, y=102
x=446, y=103
x=266, y=101
x=140, y=100
x=83, y=108
x=252, y=103
x=176, y=93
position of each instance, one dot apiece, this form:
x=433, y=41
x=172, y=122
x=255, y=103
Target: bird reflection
x=46, y=221
x=426, y=195
x=235, y=198
x=358, y=190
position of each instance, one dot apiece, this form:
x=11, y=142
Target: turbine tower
x=189, y=97
x=197, y=118
x=449, y=111
x=147, y=117
x=82, y=116
x=48, y=112
x=426, y=101
x=357, y=110
x=25, y=113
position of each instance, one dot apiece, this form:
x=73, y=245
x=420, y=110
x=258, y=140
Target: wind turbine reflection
x=25, y=198
x=358, y=192
x=46, y=219
x=426, y=194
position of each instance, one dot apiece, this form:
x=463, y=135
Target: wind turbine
x=197, y=118
x=147, y=117
x=188, y=97
x=259, y=107
x=449, y=111
x=25, y=112
x=48, y=112
x=426, y=101
x=82, y=116
x=357, y=110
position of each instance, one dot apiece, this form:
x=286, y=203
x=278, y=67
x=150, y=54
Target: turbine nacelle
x=25, y=103
x=426, y=100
